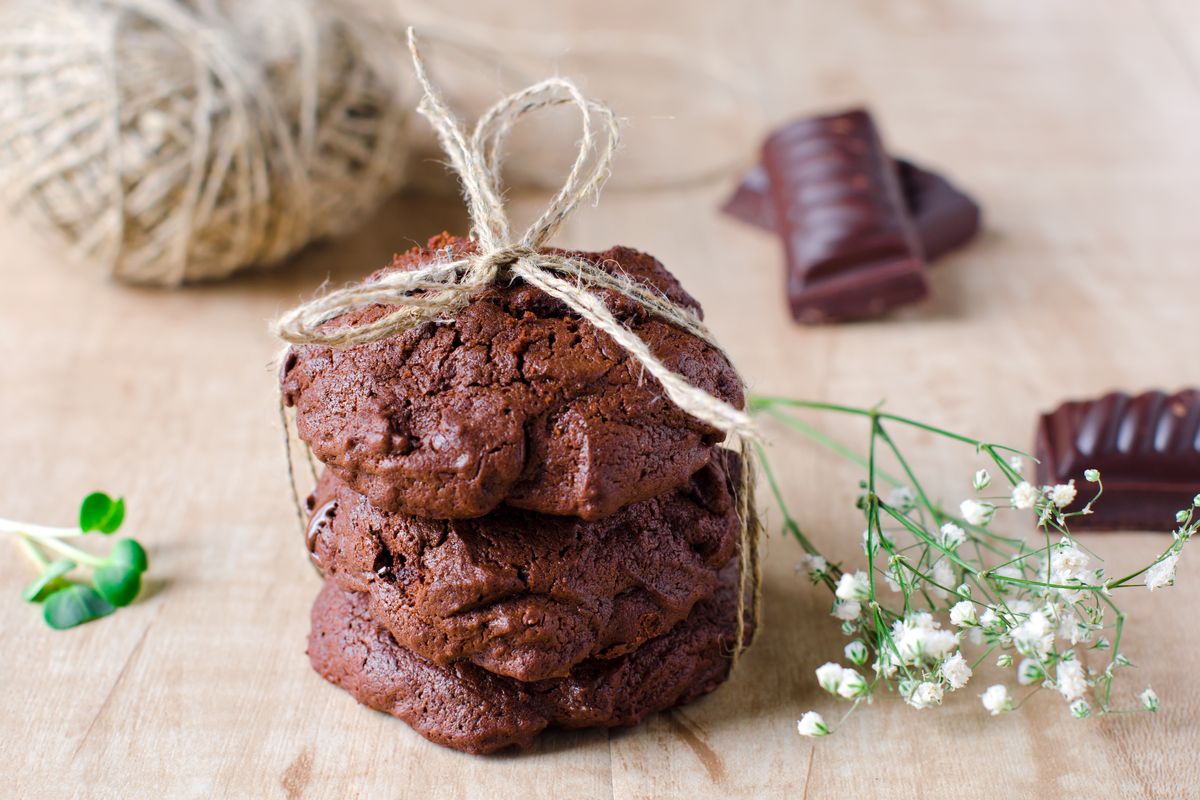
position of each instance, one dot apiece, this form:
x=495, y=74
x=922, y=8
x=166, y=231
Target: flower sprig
x=940, y=583
x=116, y=578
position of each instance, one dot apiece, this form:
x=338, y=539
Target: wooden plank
x=1071, y=121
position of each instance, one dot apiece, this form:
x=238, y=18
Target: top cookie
x=515, y=400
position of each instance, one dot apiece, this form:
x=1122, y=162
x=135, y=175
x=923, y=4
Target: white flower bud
x=847, y=610
x=963, y=615
x=901, y=498
x=852, y=685
x=925, y=695
x=1162, y=573
x=1080, y=709
x=829, y=675
x=1029, y=672
x=1063, y=494
x=1024, y=495
x=856, y=652
x=981, y=480
x=853, y=586
x=956, y=671
x=812, y=724
x=977, y=513
x=1004, y=661
x=1149, y=699
x=996, y=699
x=952, y=536
x=1091, y=475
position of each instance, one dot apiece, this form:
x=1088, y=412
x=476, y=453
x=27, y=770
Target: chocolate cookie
x=529, y=595
x=515, y=400
x=470, y=709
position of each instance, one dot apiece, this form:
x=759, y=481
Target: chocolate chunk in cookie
x=515, y=400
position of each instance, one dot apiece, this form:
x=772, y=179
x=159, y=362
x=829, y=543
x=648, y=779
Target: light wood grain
x=1074, y=122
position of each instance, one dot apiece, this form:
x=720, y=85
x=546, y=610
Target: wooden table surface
x=1076, y=125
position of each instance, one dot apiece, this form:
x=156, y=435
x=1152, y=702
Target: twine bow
x=442, y=289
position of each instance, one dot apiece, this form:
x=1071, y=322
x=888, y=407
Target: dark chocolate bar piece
x=848, y=238
x=1147, y=449
x=944, y=217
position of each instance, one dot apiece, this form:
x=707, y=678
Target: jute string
x=168, y=141
x=442, y=289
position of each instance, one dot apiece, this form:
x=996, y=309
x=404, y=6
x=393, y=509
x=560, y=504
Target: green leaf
x=73, y=606
x=119, y=584
x=50, y=581
x=129, y=553
x=99, y=512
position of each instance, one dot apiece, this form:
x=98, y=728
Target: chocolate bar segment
x=1147, y=448
x=945, y=218
x=848, y=238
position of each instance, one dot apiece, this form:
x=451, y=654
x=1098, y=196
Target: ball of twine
x=180, y=140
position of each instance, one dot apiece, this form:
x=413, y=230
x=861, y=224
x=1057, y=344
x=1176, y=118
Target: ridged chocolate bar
x=1146, y=447
x=848, y=238
x=944, y=217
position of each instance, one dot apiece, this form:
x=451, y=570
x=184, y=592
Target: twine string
x=441, y=289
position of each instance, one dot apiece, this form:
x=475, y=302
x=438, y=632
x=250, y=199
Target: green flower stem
x=758, y=402
x=826, y=441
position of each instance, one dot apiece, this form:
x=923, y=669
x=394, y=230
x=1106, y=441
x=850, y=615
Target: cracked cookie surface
x=470, y=709
x=515, y=400
x=529, y=595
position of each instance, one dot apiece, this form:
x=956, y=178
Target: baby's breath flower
x=989, y=620
x=1034, y=636
x=829, y=675
x=812, y=724
x=814, y=564
x=1017, y=464
x=1067, y=563
x=1149, y=699
x=925, y=695
x=890, y=578
x=847, y=610
x=901, y=498
x=981, y=480
x=1025, y=495
x=1029, y=671
x=1163, y=573
x=1063, y=494
x=996, y=699
x=856, y=652
x=943, y=575
x=852, y=685
x=1080, y=709
x=956, y=671
x=952, y=536
x=1009, y=571
x=1071, y=683
x=853, y=586
x=962, y=614
x=1091, y=475
x=1004, y=661
x=976, y=512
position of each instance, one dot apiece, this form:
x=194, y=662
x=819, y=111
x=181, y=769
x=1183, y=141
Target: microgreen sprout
x=940, y=582
x=116, y=578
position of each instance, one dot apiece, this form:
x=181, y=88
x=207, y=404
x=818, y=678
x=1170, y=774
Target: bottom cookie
x=469, y=709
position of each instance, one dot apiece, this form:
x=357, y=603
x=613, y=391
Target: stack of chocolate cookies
x=516, y=527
